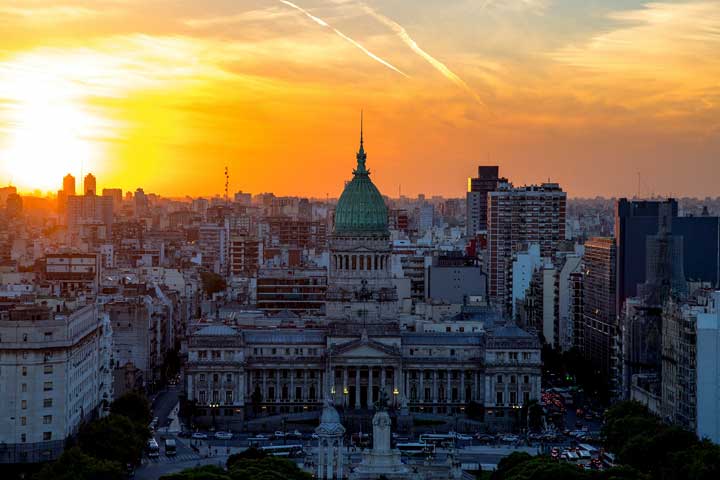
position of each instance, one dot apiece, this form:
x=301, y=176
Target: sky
x=606, y=97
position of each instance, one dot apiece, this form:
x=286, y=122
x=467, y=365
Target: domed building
x=360, y=288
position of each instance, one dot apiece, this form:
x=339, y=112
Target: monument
x=381, y=460
x=330, y=444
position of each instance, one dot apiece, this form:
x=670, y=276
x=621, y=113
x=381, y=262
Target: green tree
x=73, y=464
x=114, y=437
x=508, y=463
x=133, y=405
x=207, y=472
x=212, y=282
x=266, y=468
x=624, y=421
x=543, y=468
x=652, y=453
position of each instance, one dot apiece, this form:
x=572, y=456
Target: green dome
x=361, y=208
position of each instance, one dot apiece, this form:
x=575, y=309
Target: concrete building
x=477, y=202
x=214, y=241
x=72, y=274
x=600, y=325
x=453, y=279
x=518, y=217
x=524, y=266
x=246, y=253
x=300, y=290
x=54, y=375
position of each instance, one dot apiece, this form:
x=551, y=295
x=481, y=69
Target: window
x=48, y=369
x=499, y=398
x=47, y=386
x=24, y=337
x=216, y=378
x=47, y=419
x=47, y=403
x=274, y=351
x=216, y=354
x=23, y=387
x=23, y=420
x=202, y=354
x=526, y=379
x=499, y=379
x=228, y=377
x=228, y=397
x=24, y=371
x=512, y=378
x=47, y=436
x=452, y=352
x=48, y=335
x=513, y=398
x=526, y=397
x=202, y=377
x=203, y=397
x=216, y=396
x=23, y=437
x=23, y=404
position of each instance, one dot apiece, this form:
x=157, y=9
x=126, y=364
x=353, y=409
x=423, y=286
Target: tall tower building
x=68, y=185
x=89, y=185
x=600, y=325
x=518, y=217
x=477, y=202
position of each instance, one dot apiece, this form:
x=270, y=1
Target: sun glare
x=48, y=129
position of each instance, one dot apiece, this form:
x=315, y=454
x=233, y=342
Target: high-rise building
x=298, y=290
x=637, y=220
x=89, y=185
x=116, y=195
x=477, y=202
x=518, y=217
x=68, y=185
x=599, y=314
x=245, y=254
x=89, y=211
x=55, y=372
x=213, y=242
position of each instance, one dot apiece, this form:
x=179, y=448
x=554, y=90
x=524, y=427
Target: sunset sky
x=163, y=94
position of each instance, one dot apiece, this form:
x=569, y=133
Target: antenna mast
x=227, y=182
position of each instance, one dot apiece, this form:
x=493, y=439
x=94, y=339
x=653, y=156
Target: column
x=357, y=387
x=476, y=389
x=321, y=459
x=448, y=388
x=264, y=385
x=319, y=391
x=462, y=387
x=370, y=385
x=291, y=390
x=305, y=387
x=435, y=387
x=340, y=458
x=331, y=457
x=421, y=393
x=277, y=385
x=344, y=386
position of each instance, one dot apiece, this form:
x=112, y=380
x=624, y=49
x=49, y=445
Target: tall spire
x=361, y=153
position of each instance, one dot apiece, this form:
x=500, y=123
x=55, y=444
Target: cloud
x=323, y=23
x=410, y=42
x=47, y=14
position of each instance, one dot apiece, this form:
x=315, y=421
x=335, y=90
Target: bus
x=438, y=439
x=292, y=451
x=415, y=449
x=153, y=449
x=170, y=447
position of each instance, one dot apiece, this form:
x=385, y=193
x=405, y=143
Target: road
x=164, y=402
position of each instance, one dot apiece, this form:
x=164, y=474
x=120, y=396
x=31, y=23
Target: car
x=484, y=438
x=185, y=434
x=295, y=434
x=223, y=435
x=199, y=435
x=315, y=436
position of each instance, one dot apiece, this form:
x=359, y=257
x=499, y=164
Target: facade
x=213, y=241
x=477, y=201
x=454, y=280
x=54, y=375
x=245, y=254
x=518, y=217
x=73, y=274
x=299, y=290
x=600, y=326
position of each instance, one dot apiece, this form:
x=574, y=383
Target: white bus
x=444, y=440
x=415, y=449
x=291, y=451
x=170, y=447
x=153, y=449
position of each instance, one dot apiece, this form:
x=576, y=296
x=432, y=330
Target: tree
x=212, y=282
x=114, y=437
x=73, y=464
x=652, y=453
x=207, y=472
x=543, y=468
x=134, y=406
x=508, y=463
x=266, y=468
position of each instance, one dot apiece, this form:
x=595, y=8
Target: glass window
x=47, y=419
x=47, y=403
x=47, y=436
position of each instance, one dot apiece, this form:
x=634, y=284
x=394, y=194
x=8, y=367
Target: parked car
x=199, y=435
x=223, y=435
x=185, y=434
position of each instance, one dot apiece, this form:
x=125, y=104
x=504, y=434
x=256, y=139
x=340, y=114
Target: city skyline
x=590, y=96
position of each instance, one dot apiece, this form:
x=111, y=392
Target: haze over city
x=164, y=95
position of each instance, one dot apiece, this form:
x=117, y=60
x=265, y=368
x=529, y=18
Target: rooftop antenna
x=638, y=186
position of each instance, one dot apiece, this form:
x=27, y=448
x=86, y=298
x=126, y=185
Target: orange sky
x=164, y=94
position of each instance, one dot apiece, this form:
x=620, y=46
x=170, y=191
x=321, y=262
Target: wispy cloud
x=410, y=42
x=323, y=23
x=47, y=14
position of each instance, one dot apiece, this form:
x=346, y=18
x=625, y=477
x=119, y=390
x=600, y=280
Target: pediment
x=364, y=348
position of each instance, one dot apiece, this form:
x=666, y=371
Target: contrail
x=437, y=64
x=323, y=23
